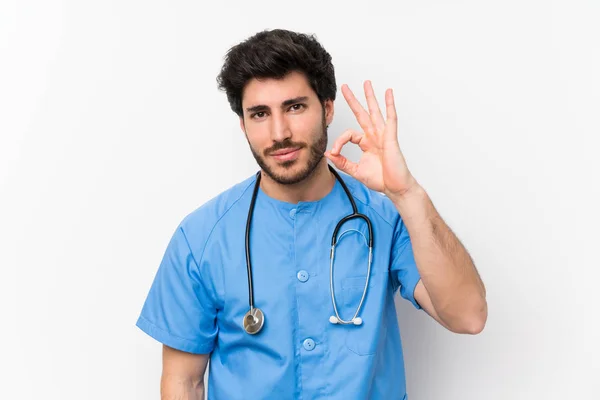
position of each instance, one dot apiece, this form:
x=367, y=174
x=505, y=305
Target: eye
x=256, y=115
x=297, y=107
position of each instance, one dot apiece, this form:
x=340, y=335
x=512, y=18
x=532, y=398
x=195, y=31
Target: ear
x=328, y=111
x=242, y=125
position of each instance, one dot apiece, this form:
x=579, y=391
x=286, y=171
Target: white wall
x=109, y=121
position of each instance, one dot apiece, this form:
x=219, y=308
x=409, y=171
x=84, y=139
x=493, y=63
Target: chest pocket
x=350, y=269
x=365, y=338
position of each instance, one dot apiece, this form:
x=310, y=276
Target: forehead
x=273, y=92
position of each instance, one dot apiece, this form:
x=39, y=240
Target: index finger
x=349, y=135
x=361, y=115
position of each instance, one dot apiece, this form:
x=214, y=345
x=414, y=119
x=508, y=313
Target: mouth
x=286, y=154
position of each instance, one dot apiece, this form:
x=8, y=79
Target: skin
x=182, y=375
x=270, y=124
x=450, y=289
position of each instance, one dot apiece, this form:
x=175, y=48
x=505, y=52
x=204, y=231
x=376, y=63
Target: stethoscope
x=255, y=318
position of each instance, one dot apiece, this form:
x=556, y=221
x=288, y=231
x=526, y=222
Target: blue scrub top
x=199, y=296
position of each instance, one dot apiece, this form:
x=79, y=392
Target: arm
x=450, y=289
x=182, y=375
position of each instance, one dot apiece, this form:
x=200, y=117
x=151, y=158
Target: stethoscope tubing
x=248, y=260
x=255, y=323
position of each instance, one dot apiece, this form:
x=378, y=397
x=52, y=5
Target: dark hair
x=274, y=54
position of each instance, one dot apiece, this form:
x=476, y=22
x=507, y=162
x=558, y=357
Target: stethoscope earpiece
x=335, y=320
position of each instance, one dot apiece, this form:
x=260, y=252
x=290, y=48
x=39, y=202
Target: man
x=305, y=321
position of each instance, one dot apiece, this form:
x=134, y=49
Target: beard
x=316, y=153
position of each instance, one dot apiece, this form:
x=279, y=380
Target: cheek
x=259, y=146
x=306, y=128
x=258, y=138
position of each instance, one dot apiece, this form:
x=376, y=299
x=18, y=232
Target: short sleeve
x=179, y=310
x=403, y=267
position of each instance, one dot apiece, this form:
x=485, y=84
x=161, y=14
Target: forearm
x=181, y=388
x=447, y=270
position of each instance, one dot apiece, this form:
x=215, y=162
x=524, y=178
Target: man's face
x=286, y=126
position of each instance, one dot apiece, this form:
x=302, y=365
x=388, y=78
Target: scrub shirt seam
x=411, y=288
x=374, y=210
x=353, y=193
x=221, y=301
x=194, y=342
x=403, y=245
x=325, y=390
x=297, y=318
x=216, y=297
x=400, y=222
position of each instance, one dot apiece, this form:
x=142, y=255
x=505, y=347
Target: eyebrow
x=289, y=102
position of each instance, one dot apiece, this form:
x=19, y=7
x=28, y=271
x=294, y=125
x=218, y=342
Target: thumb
x=341, y=163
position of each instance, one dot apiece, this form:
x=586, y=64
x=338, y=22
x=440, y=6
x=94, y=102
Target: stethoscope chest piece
x=254, y=321
x=254, y=318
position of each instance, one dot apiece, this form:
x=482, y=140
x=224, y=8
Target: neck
x=316, y=186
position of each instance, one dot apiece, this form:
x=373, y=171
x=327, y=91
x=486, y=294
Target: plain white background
x=112, y=130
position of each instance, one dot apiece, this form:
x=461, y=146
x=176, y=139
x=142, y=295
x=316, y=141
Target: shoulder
x=375, y=202
x=200, y=222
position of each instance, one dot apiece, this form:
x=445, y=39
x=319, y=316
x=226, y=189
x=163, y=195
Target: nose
x=280, y=128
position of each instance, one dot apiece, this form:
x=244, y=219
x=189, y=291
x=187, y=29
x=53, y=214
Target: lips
x=286, y=154
x=284, y=151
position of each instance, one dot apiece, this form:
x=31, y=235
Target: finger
x=361, y=115
x=349, y=135
x=391, y=116
x=342, y=163
x=376, y=116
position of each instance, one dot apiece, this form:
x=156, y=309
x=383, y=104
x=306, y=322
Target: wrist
x=413, y=191
x=414, y=206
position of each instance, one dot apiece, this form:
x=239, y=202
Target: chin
x=289, y=173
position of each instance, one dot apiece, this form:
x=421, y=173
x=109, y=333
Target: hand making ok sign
x=382, y=166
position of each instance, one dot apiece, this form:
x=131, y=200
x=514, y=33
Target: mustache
x=286, y=144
